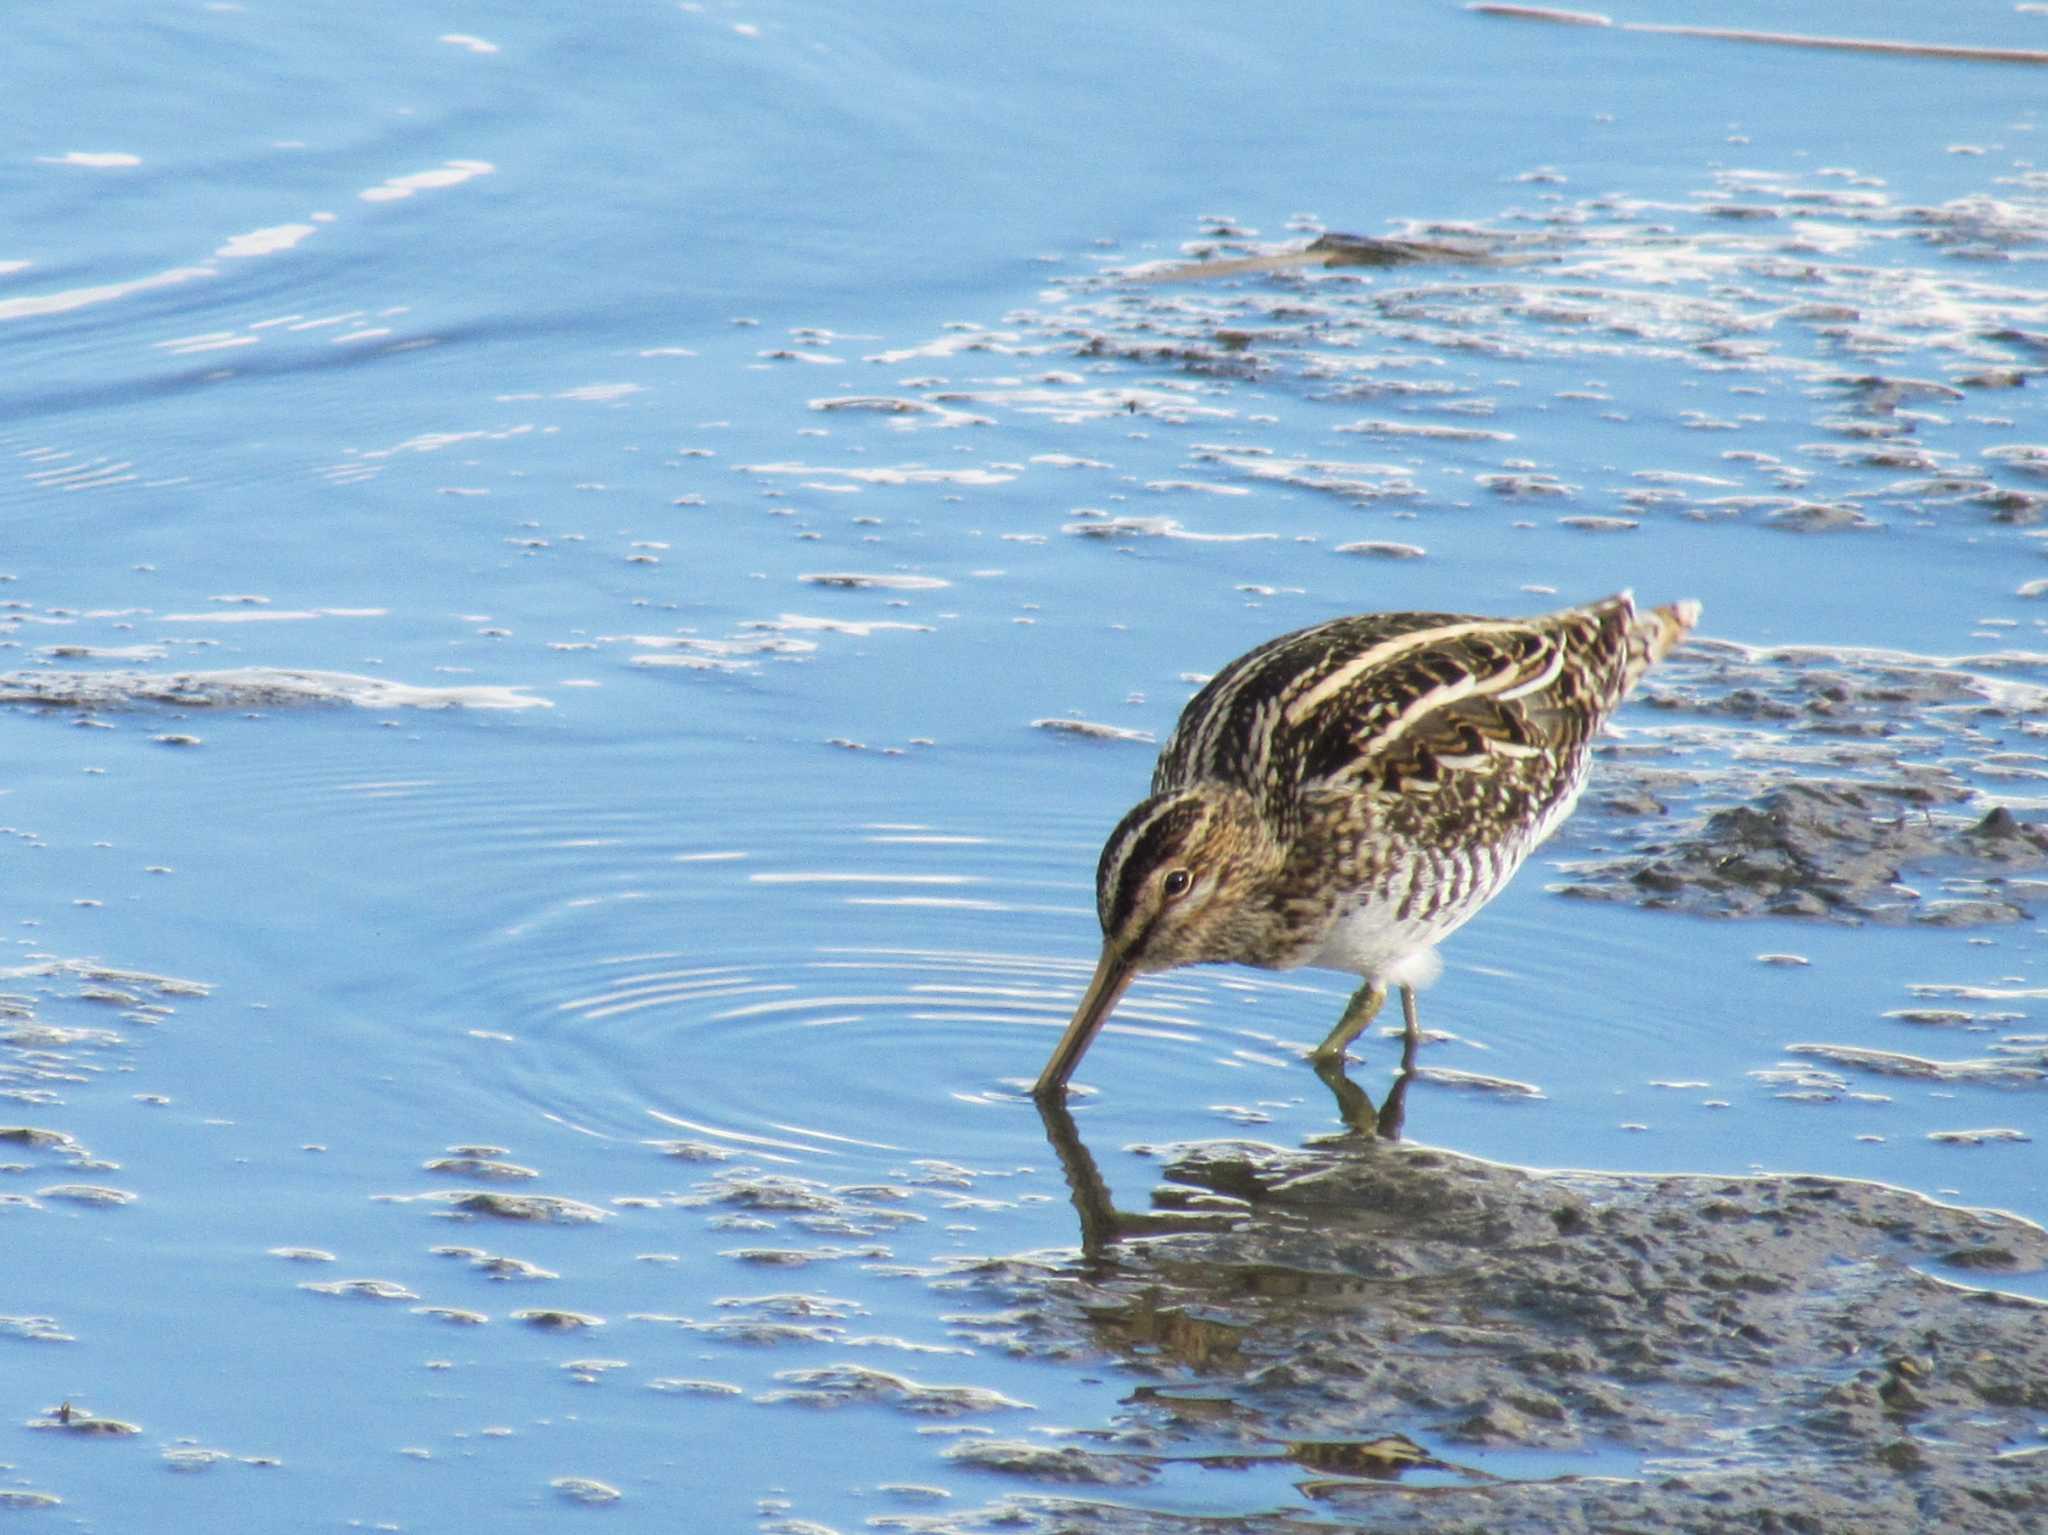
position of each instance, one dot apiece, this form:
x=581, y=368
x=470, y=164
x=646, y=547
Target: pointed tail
x=1653, y=635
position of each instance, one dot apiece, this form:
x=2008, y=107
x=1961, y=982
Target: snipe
x=1348, y=795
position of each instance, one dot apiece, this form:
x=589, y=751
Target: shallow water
x=543, y=393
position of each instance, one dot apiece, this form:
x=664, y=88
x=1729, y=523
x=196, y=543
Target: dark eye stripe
x=1149, y=838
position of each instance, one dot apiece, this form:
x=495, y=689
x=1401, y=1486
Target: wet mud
x=1831, y=849
x=1855, y=786
x=1372, y=1318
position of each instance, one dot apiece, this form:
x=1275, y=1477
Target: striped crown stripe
x=1149, y=831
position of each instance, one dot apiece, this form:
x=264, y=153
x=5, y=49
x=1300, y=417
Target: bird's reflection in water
x=1103, y=1225
x=1355, y=1108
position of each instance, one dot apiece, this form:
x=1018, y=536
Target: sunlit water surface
x=539, y=391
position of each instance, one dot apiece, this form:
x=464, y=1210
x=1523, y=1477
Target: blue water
x=491, y=363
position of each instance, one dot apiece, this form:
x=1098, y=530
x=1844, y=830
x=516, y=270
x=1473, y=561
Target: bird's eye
x=1177, y=884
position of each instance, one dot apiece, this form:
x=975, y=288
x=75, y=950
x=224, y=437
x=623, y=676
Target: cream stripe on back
x=1416, y=639
x=1542, y=679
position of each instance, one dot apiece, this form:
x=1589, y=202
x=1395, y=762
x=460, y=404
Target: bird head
x=1171, y=889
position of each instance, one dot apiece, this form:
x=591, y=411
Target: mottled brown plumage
x=1347, y=795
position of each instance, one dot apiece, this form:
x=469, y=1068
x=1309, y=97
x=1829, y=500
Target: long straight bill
x=1112, y=975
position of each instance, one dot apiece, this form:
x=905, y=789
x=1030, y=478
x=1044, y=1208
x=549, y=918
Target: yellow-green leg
x=1358, y=1014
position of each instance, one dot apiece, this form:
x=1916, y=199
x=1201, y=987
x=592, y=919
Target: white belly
x=1373, y=939
x=1366, y=942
